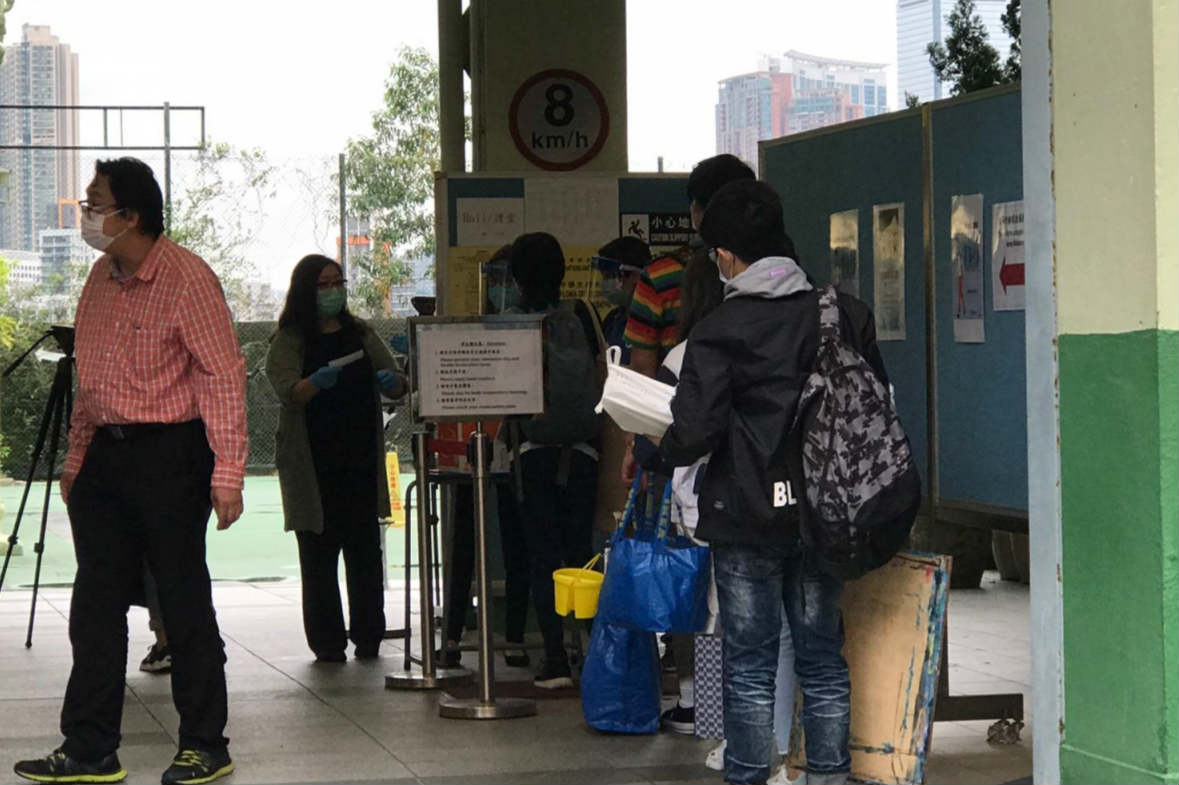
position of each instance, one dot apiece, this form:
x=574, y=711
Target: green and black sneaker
x=59, y=767
x=193, y=767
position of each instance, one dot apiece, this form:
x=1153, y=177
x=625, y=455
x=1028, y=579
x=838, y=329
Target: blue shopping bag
x=621, y=682
x=654, y=581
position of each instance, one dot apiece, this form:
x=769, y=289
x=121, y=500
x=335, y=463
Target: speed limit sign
x=559, y=120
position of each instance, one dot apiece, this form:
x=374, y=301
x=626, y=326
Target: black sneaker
x=553, y=675
x=368, y=652
x=330, y=657
x=517, y=658
x=193, y=767
x=158, y=660
x=59, y=767
x=679, y=719
x=450, y=657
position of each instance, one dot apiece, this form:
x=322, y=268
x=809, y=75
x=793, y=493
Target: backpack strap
x=829, y=314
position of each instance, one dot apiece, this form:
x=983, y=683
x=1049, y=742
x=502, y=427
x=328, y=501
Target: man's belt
x=136, y=430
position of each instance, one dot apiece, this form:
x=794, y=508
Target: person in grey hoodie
x=743, y=371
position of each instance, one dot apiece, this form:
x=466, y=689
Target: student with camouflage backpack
x=555, y=455
x=744, y=371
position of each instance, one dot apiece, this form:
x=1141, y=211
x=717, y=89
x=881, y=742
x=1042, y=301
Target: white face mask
x=92, y=231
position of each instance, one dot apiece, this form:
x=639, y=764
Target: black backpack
x=862, y=487
x=572, y=381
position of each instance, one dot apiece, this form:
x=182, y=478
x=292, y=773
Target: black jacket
x=743, y=372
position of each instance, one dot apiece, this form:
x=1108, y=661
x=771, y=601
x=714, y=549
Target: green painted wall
x=1119, y=416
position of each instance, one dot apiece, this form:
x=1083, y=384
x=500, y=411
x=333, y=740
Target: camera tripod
x=58, y=408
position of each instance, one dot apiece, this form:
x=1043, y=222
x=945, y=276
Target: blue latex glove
x=388, y=380
x=326, y=377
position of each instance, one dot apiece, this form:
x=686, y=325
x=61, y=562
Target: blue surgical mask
x=503, y=297
x=612, y=291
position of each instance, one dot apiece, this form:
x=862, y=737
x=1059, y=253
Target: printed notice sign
x=966, y=218
x=1007, y=257
x=478, y=368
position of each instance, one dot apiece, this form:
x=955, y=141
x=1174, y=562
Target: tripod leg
x=38, y=446
x=58, y=395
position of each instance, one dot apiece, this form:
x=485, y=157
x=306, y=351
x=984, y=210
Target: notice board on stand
x=894, y=619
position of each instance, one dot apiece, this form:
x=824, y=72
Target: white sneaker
x=716, y=758
x=782, y=777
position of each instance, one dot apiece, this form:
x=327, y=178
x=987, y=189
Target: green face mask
x=331, y=302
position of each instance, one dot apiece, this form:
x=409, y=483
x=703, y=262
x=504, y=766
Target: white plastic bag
x=638, y=403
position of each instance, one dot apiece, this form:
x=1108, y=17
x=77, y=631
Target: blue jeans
x=752, y=584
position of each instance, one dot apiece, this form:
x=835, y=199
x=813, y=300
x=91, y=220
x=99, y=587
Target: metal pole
x=429, y=676
x=486, y=706
x=167, y=165
x=344, y=234
x=450, y=85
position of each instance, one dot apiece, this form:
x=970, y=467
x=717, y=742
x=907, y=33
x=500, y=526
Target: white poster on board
x=888, y=259
x=1007, y=257
x=576, y=209
x=488, y=222
x=845, y=251
x=479, y=369
x=966, y=220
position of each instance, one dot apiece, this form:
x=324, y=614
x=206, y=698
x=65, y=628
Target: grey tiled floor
x=295, y=722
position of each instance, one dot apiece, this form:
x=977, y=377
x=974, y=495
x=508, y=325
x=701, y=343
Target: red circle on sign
x=595, y=93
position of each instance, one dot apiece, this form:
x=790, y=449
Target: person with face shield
x=501, y=296
x=620, y=263
x=329, y=369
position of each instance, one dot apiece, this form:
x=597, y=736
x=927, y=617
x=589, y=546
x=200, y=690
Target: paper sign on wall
x=845, y=251
x=488, y=221
x=888, y=255
x=966, y=218
x=1007, y=256
x=580, y=211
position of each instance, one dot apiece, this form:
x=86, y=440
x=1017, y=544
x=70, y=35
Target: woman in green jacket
x=329, y=369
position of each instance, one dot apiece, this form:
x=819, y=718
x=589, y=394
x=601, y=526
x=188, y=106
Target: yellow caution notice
x=396, y=508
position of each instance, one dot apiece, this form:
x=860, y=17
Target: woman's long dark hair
x=301, y=309
x=701, y=291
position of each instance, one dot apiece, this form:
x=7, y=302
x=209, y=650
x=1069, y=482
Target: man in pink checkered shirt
x=157, y=442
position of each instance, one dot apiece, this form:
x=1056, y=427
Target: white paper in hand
x=347, y=359
x=638, y=403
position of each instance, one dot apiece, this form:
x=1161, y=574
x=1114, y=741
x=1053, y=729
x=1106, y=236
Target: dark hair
x=301, y=309
x=135, y=188
x=538, y=267
x=745, y=217
x=628, y=250
x=711, y=174
x=701, y=291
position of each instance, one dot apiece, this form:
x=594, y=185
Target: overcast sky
x=299, y=78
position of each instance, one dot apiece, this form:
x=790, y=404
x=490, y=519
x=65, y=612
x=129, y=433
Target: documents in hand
x=347, y=359
x=638, y=403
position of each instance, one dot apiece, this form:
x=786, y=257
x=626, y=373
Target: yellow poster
x=464, y=268
x=397, y=509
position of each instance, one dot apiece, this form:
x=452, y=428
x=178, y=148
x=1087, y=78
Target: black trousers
x=558, y=529
x=462, y=562
x=145, y=497
x=350, y=526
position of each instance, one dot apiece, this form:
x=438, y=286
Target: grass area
x=254, y=547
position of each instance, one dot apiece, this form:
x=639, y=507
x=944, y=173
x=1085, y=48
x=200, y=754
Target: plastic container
x=576, y=589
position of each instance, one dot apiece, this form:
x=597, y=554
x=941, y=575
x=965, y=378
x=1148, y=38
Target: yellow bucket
x=576, y=589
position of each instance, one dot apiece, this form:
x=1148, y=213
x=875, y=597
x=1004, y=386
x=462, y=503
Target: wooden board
x=894, y=624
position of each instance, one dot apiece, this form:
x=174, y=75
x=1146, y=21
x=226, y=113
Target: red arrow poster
x=1007, y=256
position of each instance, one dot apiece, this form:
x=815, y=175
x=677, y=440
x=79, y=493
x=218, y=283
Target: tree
x=390, y=179
x=5, y=7
x=912, y=101
x=1013, y=26
x=222, y=202
x=966, y=59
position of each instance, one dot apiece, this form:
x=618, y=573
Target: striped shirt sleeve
x=654, y=311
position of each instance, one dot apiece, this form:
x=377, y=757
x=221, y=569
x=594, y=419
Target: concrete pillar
x=1102, y=184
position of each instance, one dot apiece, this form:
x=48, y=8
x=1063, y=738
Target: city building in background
x=24, y=269
x=920, y=23
x=61, y=251
x=38, y=71
x=792, y=93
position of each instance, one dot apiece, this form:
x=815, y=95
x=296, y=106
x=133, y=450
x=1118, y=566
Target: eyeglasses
x=89, y=209
x=324, y=286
